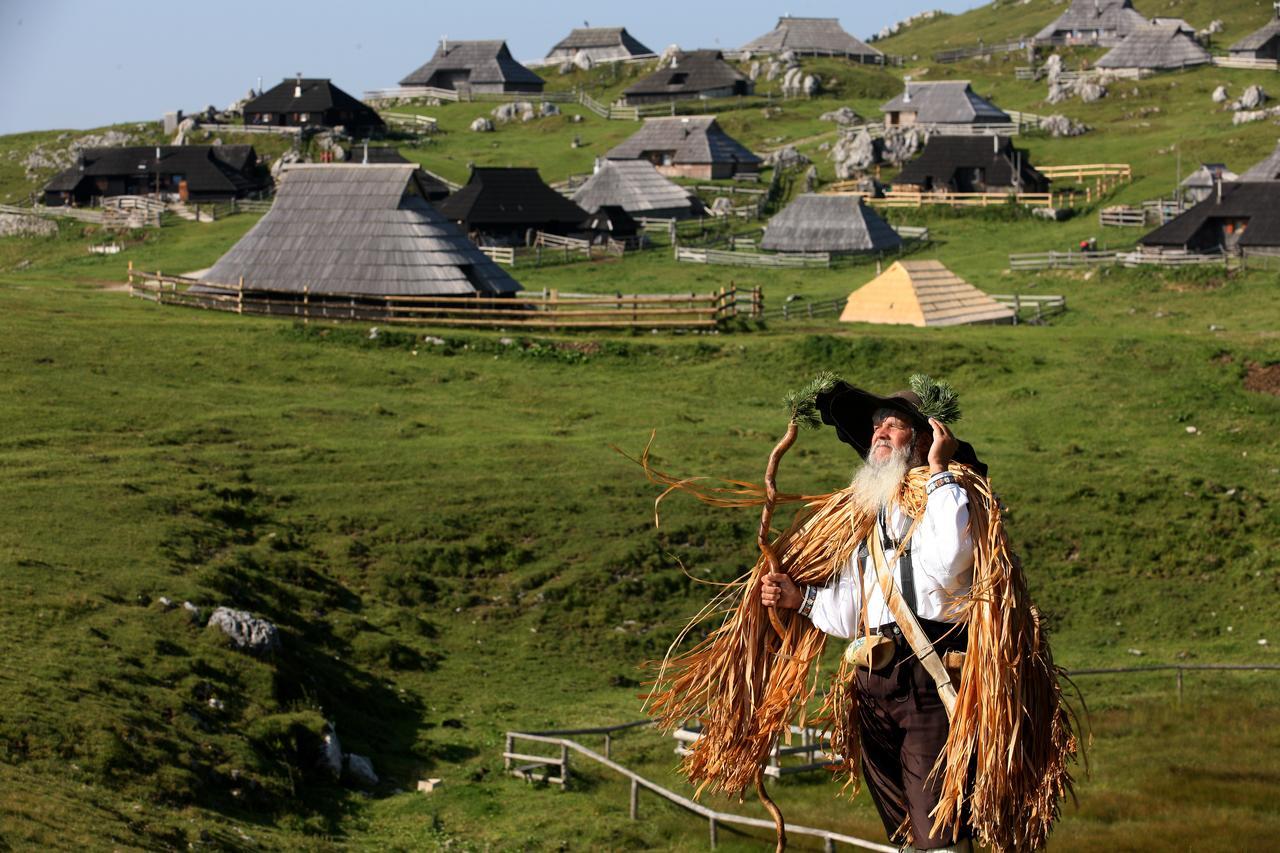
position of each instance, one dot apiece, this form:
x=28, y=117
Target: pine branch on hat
x=938, y=400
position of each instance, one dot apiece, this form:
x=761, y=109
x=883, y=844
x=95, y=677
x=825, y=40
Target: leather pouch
x=874, y=652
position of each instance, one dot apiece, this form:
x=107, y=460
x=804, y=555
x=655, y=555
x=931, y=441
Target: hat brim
x=850, y=409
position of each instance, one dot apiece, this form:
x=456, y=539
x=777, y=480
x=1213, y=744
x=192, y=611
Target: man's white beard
x=877, y=483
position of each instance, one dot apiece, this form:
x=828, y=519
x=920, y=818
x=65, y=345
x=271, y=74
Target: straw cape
x=1156, y=47
x=636, y=187
x=364, y=229
x=1101, y=22
x=819, y=36
x=922, y=293
x=829, y=223
x=747, y=679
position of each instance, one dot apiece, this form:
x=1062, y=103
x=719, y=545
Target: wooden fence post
x=240, y=296
x=306, y=319
x=506, y=759
x=635, y=800
x=714, y=836
x=1179, y=685
x=564, y=767
x=130, y=275
x=608, y=744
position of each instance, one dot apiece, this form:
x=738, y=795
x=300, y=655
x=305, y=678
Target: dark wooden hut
x=599, y=44
x=475, y=66
x=1236, y=216
x=699, y=74
x=689, y=147
x=840, y=224
x=1093, y=22
x=190, y=172
x=1263, y=43
x=506, y=206
x=813, y=37
x=967, y=164
x=947, y=102
x=312, y=102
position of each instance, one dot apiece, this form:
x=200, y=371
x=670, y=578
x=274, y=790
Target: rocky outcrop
x=246, y=632
x=1061, y=126
x=844, y=115
x=786, y=157
x=14, y=225
x=482, y=125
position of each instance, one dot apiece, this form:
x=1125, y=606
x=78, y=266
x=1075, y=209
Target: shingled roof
x=694, y=139
x=946, y=102
x=358, y=229
x=1255, y=202
x=1259, y=38
x=829, y=223
x=487, y=62
x=206, y=168
x=810, y=35
x=922, y=293
x=1115, y=19
x=601, y=42
x=514, y=198
x=1156, y=47
x=946, y=159
x=1267, y=169
x=635, y=186
x=691, y=73
x=313, y=95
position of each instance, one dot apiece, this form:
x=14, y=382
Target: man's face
x=891, y=430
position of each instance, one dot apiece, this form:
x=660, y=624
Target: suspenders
x=906, y=576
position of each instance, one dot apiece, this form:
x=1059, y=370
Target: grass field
x=452, y=549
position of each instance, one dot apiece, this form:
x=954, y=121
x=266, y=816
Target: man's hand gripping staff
x=804, y=413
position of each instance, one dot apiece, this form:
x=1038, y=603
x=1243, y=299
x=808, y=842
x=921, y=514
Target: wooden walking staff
x=804, y=413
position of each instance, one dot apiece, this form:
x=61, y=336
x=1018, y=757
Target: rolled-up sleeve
x=835, y=609
x=947, y=558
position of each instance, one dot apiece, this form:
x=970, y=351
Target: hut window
x=678, y=79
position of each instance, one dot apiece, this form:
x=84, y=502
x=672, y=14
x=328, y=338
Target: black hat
x=849, y=410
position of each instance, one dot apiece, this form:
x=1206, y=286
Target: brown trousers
x=904, y=728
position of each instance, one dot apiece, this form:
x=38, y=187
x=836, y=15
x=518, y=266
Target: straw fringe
x=745, y=681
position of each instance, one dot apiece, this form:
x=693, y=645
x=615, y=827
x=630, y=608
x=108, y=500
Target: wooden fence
x=412, y=121
x=279, y=129
x=549, y=309
x=1060, y=260
x=715, y=819
x=80, y=214
x=1247, y=63
x=789, y=260
x=1174, y=258
x=903, y=198
x=1039, y=307
x=944, y=57
x=464, y=94
x=1122, y=216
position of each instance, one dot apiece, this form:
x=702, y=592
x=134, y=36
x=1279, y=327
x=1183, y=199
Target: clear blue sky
x=87, y=63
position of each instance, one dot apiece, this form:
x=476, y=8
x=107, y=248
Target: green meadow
x=440, y=523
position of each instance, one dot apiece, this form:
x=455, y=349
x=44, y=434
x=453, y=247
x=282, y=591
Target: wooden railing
x=790, y=260
x=80, y=214
x=1112, y=171
x=1247, y=63
x=1044, y=306
x=1176, y=258
x=281, y=129
x=714, y=818
x=944, y=57
x=549, y=309
x=903, y=198
x=413, y=121
x=1060, y=260
x=1122, y=216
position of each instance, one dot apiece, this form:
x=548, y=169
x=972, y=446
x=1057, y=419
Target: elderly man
x=903, y=723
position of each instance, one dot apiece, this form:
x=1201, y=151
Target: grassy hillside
x=451, y=549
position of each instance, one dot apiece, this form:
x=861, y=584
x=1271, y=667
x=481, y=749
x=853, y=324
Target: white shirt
x=941, y=563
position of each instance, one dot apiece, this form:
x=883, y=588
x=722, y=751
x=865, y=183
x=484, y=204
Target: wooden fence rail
x=790, y=260
x=944, y=57
x=1247, y=63
x=902, y=198
x=279, y=129
x=412, y=121
x=1044, y=306
x=78, y=213
x=1140, y=258
x=714, y=818
x=549, y=309
x=1122, y=217
x=1061, y=260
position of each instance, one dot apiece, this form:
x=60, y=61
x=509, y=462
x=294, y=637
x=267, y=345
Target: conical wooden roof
x=922, y=293
x=362, y=228
x=829, y=223
x=636, y=186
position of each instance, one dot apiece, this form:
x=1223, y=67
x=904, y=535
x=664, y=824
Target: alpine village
x=335, y=418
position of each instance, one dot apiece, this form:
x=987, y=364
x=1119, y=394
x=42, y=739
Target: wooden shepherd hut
x=1267, y=169
x=505, y=207
x=475, y=66
x=922, y=293
x=1262, y=43
x=599, y=44
x=362, y=229
x=947, y=102
x=699, y=74
x=688, y=147
x=1093, y=22
x=1237, y=216
x=193, y=173
x=1156, y=47
x=971, y=164
x=312, y=102
x=839, y=224
x=813, y=37
x=1203, y=182
x=636, y=187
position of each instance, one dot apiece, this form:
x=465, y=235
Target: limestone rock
x=1219, y=95
x=583, y=61
x=246, y=631
x=668, y=56
x=1251, y=99
x=1052, y=68
x=359, y=770
x=786, y=157
x=482, y=125
x=754, y=71
x=901, y=144
x=1090, y=91
x=277, y=168
x=15, y=225
x=546, y=108
x=566, y=66
x=1060, y=125
x=844, y=115
x=721, y=207
x=853, y=154
x=788, y=58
